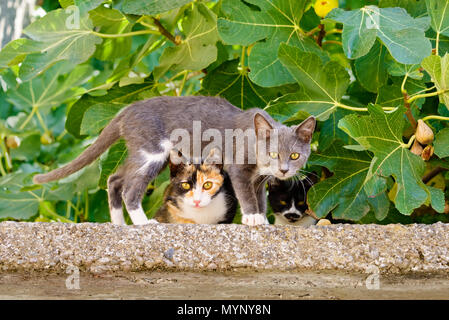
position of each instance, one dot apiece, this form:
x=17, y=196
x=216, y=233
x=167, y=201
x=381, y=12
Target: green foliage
x=438, y=68
x=350, y=170
x=151, y=7
x=265, y=24
x=381, y=133
x=399, y=32
x=439, y=18
x=197, y=50
x=367, y=71
x=58, y=40
x=322, y=86
x=442, y=143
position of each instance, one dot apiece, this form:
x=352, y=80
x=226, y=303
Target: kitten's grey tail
x=108, y=136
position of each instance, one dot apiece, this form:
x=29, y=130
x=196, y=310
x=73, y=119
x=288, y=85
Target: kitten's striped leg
x=246, y=194
x=115, y=185
x=138, y=216
x=150, y=164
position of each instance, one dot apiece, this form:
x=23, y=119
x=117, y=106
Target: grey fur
x=143, y=125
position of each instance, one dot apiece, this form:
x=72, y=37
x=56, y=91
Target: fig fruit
x=46, y=138
x=427, y=153
x=323, y=7
x=424, y=133
x=323, y=222
x=416, y=148
x=13, y=142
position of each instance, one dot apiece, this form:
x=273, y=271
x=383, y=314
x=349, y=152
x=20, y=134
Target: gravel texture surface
x=100, y=248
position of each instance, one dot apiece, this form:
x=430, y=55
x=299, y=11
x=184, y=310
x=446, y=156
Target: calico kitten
x=288, y=198
x=198, y=193
x=146, y=126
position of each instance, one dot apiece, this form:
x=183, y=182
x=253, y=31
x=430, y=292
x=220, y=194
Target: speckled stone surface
x=105, y=247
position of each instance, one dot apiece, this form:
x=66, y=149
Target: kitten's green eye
x=185, y=185
x=283, y=203
x=294, y=156
x=207, y=185
x=274, y=155
x=300, y=203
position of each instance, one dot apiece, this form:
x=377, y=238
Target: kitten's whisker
x=309, y=180
x=309, y=172
x=262, y=182
x=304, y=189
x=295, y=180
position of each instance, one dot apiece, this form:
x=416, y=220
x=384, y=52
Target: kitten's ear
x=176, y=161
x=214, y=158
x=261, y=124
x=304, y=130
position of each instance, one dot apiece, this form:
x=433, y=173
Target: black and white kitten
x=198, y=193
x=288, y=198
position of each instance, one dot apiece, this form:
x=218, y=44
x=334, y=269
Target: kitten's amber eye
x=300, y=203
x=294, y=156
x=207, y=185
x=283, y=203
x=185, y=185
x=274, y=155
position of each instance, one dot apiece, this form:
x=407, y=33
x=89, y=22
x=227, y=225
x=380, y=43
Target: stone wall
x=106, y=247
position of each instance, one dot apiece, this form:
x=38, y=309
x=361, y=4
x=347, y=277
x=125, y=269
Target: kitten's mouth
x=283, y=176
x=292, y=217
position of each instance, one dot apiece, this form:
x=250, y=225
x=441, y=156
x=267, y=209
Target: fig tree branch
x=435, y=171
x=165, y=32
x=321, y=34
x=407, y=103
x=127, y=34
x=433, y=117
x=426, y=95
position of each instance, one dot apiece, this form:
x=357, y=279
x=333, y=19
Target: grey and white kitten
x=146, y=126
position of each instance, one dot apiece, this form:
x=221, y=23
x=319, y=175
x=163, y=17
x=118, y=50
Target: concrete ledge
x=99, y=248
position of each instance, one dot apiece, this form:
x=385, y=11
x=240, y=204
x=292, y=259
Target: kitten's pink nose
x=197, y=203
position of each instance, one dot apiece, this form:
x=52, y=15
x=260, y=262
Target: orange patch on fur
x=174, y=215
x=211, y=175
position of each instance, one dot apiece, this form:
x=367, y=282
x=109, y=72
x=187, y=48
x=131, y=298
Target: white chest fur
x=212, y=214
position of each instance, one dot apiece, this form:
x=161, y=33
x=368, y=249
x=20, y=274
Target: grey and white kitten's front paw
x=148, y=221
x=254, y=219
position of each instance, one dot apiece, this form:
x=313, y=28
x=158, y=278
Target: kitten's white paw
x=141, y=222
x=117, y=217
x=148, y=221
x=254, y=219
x=138, y=217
